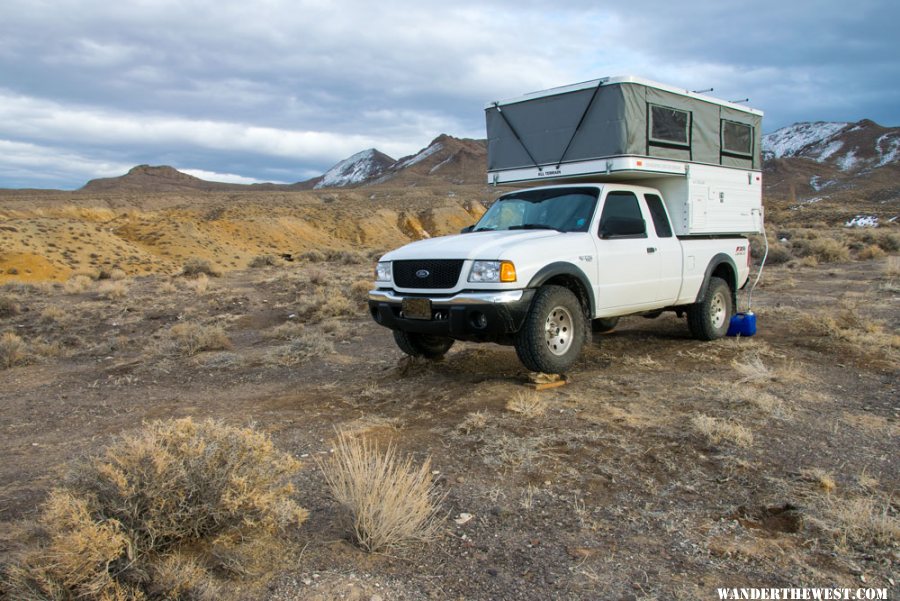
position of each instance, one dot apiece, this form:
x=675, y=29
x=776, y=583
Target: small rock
x=376, y=598
x=464, y=518
x=307, y=581
x=492, y=571
x=460, y=479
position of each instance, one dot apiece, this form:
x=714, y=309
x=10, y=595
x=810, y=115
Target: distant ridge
x=813, y=160
x=147, y=178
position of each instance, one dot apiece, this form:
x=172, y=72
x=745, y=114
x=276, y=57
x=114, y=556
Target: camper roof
x=620, y=79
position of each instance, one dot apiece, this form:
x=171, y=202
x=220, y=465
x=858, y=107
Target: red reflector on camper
x=640, y=163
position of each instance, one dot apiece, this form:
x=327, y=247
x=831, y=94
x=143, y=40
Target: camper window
x=737, y=138
x=669, y=126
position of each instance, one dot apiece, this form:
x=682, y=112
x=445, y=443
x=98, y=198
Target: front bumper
x=481, y=316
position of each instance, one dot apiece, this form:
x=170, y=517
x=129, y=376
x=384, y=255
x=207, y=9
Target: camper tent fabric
x=623, y=119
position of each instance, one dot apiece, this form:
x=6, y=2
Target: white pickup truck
x=655, y=189
x=545, y=264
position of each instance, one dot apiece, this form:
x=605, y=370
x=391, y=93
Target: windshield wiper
x=534, y=226
x=484, y=229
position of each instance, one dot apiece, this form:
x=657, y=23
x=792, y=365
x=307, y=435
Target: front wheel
x=554, y=331
x=422, y=345
x=709, y=319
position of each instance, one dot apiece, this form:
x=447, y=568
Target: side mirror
x=467, y=229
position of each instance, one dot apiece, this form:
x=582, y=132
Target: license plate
x=416, y=308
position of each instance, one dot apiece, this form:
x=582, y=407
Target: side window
x=669, y=127
x=658, y=213
x=621, y=217
x=737, y=139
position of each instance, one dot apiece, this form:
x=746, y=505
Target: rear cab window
x=660, y=219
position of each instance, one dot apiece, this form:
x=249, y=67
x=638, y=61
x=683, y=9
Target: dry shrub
x=892, y=267
x=306, y=346
x=856, y=332
x=53, y=314
x=873, y=251
x=387, y=499
x=194, y=267
x=888, y=241
x=528, y=403
x=324, y=303
x=716, y=431
x=163, y=513
x=475, y=420
x=78, y=284
x=168, y=287
x=285, y=331
x=199, y=284
x=822, y=479
x=112, y=289
x=826, y=250
x=778, y=254
x=359, y=290
x=752, y=370
x=117, y=274
x=317, y=277
x=346, y=257
x=9, y=307
x=13, y=350
x=265, y=261
x=191, y=338
x=313, y=256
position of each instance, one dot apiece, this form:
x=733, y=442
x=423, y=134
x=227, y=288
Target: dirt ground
x=665, y=468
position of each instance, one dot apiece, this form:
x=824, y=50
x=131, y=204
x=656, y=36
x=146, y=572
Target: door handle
x=651, y=249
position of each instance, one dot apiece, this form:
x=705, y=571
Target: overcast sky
x=280, y=90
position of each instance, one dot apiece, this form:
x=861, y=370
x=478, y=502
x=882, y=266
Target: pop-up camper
x=702, y=153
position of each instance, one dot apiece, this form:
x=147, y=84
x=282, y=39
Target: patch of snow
x=863, y=221
x=829, y=150
x=888, y=149
x=848, y=161
x=816, y=183
x=441, y=164
x=813, y=201
x=788, y=141
x=421, y=156
x=353, y=170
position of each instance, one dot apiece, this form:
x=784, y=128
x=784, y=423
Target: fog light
x=478, y=319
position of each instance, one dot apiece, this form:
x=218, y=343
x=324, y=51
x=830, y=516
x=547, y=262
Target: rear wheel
x=422, y=345
x=709, y=319
x=554, y=331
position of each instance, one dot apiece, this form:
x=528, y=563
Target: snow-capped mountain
x=816, y=160
x=847, y=146
x=354, y=170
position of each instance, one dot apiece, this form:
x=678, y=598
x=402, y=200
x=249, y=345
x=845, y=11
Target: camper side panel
x=712, y=201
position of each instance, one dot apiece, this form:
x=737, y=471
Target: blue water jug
x=742, y=324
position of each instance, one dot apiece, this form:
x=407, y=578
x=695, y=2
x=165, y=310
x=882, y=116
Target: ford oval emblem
x=423, y=273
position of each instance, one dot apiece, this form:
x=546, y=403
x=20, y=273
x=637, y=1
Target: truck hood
x=486, y=246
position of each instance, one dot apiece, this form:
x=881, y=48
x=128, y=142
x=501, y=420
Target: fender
x=714, y=263
x=562, y=268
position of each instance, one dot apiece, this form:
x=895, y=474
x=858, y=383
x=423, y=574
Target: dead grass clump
x=306, y=346
x=387, y=499
x=167, y=512
x=888, y=241
x=892, y=267
x=117, y=274
x=285, y=331
x=78, y=284
x=194, y=267
x=873, y=251
x=191, y=338
x=54, y=314
x=752, y=370
x=527, y=403
x=822, y=479
x=346, y=257
x=716, y=431
x=863, y=522
x=13, y=350
x=199, y=284
x=265, y=261
x=112, y=289
x=9, y=307
x=476, y=420
x=359, y=290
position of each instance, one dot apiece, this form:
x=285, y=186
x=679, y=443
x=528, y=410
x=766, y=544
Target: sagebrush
x=167, y=512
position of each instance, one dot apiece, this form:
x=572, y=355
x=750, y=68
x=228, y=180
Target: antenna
x=740, y=101
x=702, y=91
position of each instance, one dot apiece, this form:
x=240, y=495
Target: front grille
x=442, y=273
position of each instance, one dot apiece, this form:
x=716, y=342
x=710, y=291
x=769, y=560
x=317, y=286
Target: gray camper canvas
x=704, y=151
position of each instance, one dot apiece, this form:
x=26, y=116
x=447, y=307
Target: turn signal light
x=507, y=272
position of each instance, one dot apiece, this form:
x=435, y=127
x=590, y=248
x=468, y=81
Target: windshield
x=562, y=209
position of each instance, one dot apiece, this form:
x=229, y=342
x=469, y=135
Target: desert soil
x=665, y=468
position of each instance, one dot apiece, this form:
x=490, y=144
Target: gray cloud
x=281, y=90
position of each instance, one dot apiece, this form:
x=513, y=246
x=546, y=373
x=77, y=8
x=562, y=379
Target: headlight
x=492, y=271
x=383, y=271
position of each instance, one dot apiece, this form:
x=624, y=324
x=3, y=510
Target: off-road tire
x=422, y=345
x=709, y=319
x=554, y=331
x=604, y=324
